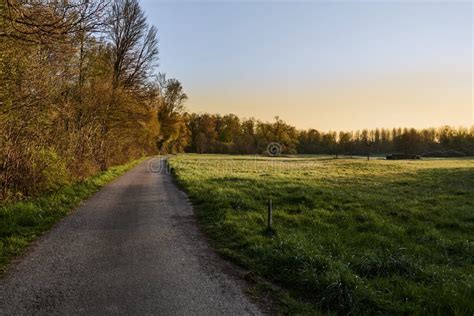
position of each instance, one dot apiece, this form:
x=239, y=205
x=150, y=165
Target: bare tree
x=135, y=44
x=49, y=21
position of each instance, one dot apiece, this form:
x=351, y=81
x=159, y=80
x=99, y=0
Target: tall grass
x=351, y=236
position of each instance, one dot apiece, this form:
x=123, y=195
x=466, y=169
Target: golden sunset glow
x=416, y=100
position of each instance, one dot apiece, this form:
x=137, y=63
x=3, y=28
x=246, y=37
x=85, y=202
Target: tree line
x=79, y=93
x=228, y=134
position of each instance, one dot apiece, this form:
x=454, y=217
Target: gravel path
x=133, y=248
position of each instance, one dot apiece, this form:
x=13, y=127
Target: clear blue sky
x=312, y=62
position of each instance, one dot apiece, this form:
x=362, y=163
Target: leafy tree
x=173, y=136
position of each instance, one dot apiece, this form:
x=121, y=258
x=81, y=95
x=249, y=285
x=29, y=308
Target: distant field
x=350, y=235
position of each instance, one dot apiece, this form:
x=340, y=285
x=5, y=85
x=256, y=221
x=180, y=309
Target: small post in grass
x=270, y=215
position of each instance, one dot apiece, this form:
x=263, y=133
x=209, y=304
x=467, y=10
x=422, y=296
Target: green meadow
x=349, y=235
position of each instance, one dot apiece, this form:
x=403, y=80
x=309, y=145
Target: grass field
x=22, y=222
x=350, y=235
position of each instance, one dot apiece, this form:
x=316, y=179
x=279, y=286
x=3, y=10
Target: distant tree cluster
x=445, y=141
x=230, y=135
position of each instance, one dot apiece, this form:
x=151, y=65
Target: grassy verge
x=351, y=236
x=24, y=221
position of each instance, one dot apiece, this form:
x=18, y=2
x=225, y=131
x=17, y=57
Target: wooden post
x=270, y=214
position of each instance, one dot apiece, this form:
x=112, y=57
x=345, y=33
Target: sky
x=329, y=65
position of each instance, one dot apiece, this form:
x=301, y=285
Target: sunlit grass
x=351, y=235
